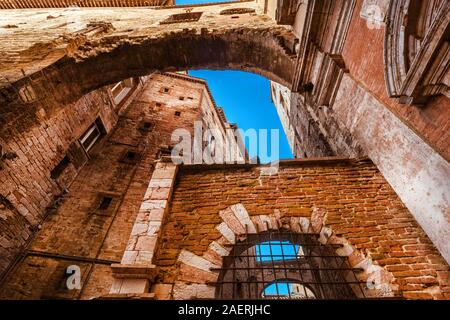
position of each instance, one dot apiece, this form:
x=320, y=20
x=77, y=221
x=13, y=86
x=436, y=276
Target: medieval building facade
x=90, y=98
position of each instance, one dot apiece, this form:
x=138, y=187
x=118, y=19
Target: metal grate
x=280, y=264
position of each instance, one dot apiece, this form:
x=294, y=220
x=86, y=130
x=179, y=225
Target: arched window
x=281, y=264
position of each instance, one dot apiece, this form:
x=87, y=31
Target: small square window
x=166, y=90
x=130, y=157
x=61, y=166
x=27, y=94
x=105, y=203
x=145, y=126
x=177, y=113
x=181, y=98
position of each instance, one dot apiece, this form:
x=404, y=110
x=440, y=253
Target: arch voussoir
x=202, y=270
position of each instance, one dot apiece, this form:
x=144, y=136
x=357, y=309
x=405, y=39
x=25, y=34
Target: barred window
x=280, y=264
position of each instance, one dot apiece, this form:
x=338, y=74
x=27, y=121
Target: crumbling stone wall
x=76, y=47
x=350, y=198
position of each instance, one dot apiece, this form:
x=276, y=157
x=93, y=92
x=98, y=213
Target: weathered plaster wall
x=363, y=55
x=419, y=175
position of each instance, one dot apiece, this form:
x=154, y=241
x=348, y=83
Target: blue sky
x=277, y=251
x=245, y=98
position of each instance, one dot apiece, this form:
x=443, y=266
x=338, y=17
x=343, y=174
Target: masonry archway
x=238, y=227
x=93, y=64
x=282, y=264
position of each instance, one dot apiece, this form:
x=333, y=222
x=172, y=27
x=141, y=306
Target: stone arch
x=91, y=64
x=417, y=50
x=196, y=272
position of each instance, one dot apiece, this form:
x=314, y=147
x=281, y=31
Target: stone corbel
x=286, y=10
x=311, y=46
x=329, y=79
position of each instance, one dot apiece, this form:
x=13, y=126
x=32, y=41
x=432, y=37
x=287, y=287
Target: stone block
x=162, y=291
x=134, y=286
x=146, y=243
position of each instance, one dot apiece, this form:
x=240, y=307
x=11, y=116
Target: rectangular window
x=121, y=89
x=104, y=203
x=92, y=135
x=60, y=167
x=77, y=155
x=177, y=113
x=145, y=126
x=130, y=157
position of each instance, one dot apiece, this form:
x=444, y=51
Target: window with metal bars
x=280, y=264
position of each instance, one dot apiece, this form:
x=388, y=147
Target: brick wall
x=349, y=110
x=356, y=203
x=78, y=230
x=27, y=189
